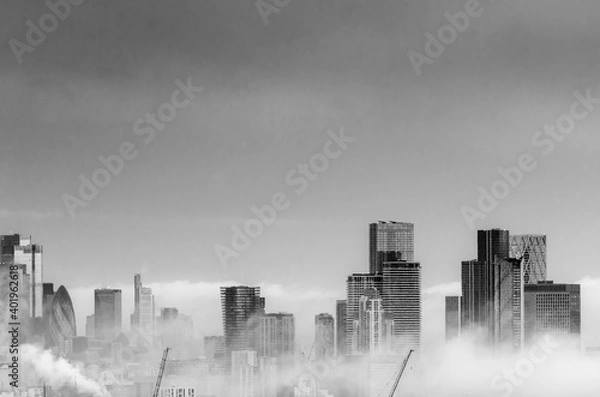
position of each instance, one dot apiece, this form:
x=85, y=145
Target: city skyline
x=329, y=302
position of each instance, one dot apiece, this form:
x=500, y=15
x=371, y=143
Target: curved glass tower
x=61, y=325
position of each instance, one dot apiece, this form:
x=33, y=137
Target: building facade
x=553, y=309
x=531, y=249
x=453, y=318
x=62, y=326
x=107, y=314
x=324, y=336
x=276, y=338
x=340, y=328
x=390, y=241
x=241, y=306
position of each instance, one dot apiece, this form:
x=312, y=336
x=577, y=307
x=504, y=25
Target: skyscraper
x=492, y=243
x=18, y=250
x=340, y=328
x=508, y=305
x=390, y=241
x=241, y=306
x=143, y=317
x=401, y=293
x=553, y=309
x=62, y=324
x=479, y=309
x=356, y=285
x=371, y=330
x=531, y=249
x=453, y=317
x=476, y=304
x=107, y=314
x=324, y=336
x=276, y=338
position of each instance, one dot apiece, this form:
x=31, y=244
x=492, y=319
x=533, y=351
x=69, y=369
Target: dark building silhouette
x=241, y=306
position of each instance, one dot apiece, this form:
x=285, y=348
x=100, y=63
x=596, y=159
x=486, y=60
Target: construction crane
x=163, y=363
x=402, y=368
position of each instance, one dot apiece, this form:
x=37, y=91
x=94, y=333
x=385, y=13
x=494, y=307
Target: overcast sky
x=423, y=144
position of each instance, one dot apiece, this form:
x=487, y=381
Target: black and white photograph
x=300, y=198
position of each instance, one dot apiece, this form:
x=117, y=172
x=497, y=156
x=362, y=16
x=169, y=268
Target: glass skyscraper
x=531, y=248
x=390, y=241
x=107, y=314
x=62, y=326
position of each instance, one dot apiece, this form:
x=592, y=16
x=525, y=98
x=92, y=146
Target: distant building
x=401, y=294
x=491, y=244
x=107, y=314
x=90, y=327
x=390, y=242
x=531, y=249
x=241, y=307
x=453, y=317
x=18, y=250
x=356, y=285
x=553, y=309
x=340, y=328
x=62, y=324
x=399, y=285
x=324, y=336
x=143, y=317
x=276, y=337
x=370, y=327
x=508, y=305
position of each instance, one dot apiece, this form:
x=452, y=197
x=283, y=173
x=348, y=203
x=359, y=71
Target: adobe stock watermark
x=525, y=367
x=36, y=35
x=298, y=178
x=546, y=139
x=146, y=128
x=268, y=7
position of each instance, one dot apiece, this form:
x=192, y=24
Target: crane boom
x=402, y=368
x=163, y=363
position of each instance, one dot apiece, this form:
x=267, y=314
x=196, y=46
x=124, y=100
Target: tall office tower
x=476, y=305
x=324, y=336
x=453, y=317
x=508, y=305
x=401, y=293
x=243, y=367
x=62, y=326
x=356, y=285
x=340, y=328
x=276, y=337
x=390, y=241
x=555, y=310
x=90, y=327
x=531, y=249
x=18, y=250
x=143, y=317
x=492, y=243
x=241, y=306
x=370, y=328
x=107, y=314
